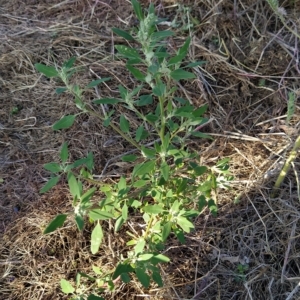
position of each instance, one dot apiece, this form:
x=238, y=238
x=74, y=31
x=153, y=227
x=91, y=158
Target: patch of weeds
x=168, y=189
x=15, y=110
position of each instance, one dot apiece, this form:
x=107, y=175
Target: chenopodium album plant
x=168, y=188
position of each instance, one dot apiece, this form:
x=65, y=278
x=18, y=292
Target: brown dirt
x=251, y=67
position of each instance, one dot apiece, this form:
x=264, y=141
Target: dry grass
x=252, y=65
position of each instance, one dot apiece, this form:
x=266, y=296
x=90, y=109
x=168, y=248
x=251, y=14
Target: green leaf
x=79, y=162
x=201, y=203
x=157, y=279
x=143, y=168
x=129, y=158
x=47, y=71
x=98, y=214
x=125, y=212
x=119, y=222
x=223, y=162
x=291, y=106
x=64, y=152
x=79, y=221
x=165, y=170
x=151, y=118
x=148, y=153
x=64, y=123
x=60, y=90
x=200, y=111
x=96, y=238
x=166, y=230
x=142, y=277
x=212, y=207
x=128, y=52
x=137, y=9
x=58, y=221
x=176, y=59
x=145, y=257
x=180, y=235
x=69, y=63
x=195, y=64
x=66, y=287
x=159, y=89
x=125, y=278
x=141, y=134
x=205, y=186
x=201, y=135
x=140, y=183
x=161, y=258
x=106, y=122
x=94, y=297
x=181, y=100
x=153, y=209
x=162, y=34
x=122, y=183
x=124, y=124
x=96, y=82
x=181, y=53
x=90, y=161
x=136, y=204
x=144, y=100
x=181, y=74
x=123, y=34
x=53, y=167
x=185, y=224
x=136, y=73
x=123, y=91
x=106, y=101
x=50, y=184
x=74, y=186
x=185, y=47
x=97, y=270
x=122, y=268
x=139, y=247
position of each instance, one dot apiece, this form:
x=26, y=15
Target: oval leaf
x=96, y=238
x=58, y=221
x=127, y=52
x=47, y=71
x=66, y=287
x=153, y=209
x=129, y=158
x=143, y=168
x=124, y=124
x=181, y=74
x=52, y=167
x=65, y=122
x=142, y=277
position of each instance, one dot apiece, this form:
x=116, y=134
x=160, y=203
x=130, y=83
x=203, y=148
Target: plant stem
x=286, y=167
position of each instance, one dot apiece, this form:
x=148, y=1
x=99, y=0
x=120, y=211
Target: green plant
x=293, y=154
x=169, y=187
x=240, y=272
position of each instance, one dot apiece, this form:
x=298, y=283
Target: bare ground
x=250, y=251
